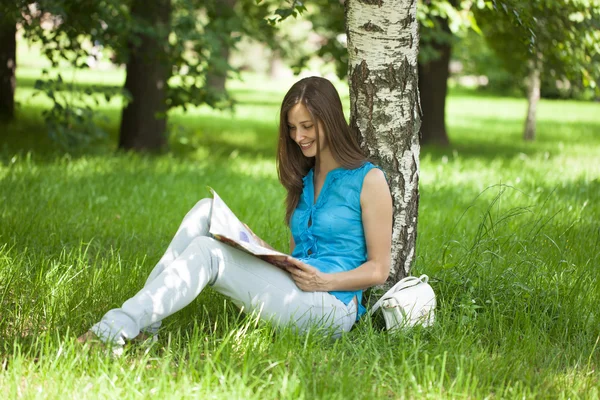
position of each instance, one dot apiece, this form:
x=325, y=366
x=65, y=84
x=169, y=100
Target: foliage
x=70, y=33
x=73, y=119
x=281, y=14
x=328, y=23
x=443, y=22
x=565, y=36
x=478, y=59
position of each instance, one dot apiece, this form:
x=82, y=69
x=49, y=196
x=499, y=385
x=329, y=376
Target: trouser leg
x=177, y=285
x=257, y=286
x=196, y=223
x=251, y=283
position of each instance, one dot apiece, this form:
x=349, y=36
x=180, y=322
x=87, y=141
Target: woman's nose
x=298, y=135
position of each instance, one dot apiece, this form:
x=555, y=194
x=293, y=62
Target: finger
x=293, y=261
x=298, y=273
x=307, y=269
x=299, y=263
x=292, y=270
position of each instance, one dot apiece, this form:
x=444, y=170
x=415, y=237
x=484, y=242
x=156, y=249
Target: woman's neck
x=325, y=164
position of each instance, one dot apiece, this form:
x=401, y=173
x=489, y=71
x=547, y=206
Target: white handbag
x=408, y=303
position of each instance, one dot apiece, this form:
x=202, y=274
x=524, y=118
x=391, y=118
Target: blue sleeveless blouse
x=334, y=241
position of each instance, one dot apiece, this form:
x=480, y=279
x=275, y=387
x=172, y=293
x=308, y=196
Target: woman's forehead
x=299, y=113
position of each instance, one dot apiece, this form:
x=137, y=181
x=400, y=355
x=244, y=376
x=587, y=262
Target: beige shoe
x=145, y=338
x=89, y=337
x=92, y=341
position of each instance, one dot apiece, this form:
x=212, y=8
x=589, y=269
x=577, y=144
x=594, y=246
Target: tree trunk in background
x=144, y=119
x=216, y=79
x=384, y=105
x=8, y=64
x=533, y=98
x=433, y=87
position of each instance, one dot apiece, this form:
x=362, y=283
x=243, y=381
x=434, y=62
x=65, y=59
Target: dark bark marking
x=405, y=42
x=378, y=3
x=371, y=27
x=364, y=71
x=391, y=77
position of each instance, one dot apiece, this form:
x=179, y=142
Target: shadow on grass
x=216, y=135
x=150, y=201
x=119, y=217
x=222, y=134
x=503, y=139
x=551, y=224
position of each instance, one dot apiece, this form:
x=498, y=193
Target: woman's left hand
x=307, y=278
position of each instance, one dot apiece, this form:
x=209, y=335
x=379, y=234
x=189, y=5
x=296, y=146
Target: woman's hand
x=307, y=278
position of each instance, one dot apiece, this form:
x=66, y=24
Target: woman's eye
x=307, y=127
x=291, y=128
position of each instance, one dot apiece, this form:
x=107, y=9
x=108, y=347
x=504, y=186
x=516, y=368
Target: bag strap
x=407, y=282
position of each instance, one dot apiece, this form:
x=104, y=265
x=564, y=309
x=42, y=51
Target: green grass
x=508, y=232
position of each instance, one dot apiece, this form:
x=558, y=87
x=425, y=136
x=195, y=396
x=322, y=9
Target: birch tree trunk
x=384, y=107
x=533, y=98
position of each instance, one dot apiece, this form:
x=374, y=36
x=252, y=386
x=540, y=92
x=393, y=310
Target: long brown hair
x=324, y=105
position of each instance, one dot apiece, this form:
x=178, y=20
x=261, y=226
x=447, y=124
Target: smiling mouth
x=305, y=146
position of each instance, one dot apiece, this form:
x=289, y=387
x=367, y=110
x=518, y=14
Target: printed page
x=227, y=228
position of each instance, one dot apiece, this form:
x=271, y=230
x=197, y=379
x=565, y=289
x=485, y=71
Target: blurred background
x=110, y=73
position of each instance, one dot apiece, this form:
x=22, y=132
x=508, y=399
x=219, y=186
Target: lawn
x=508, y=232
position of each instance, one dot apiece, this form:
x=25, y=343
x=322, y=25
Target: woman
x=339, y=210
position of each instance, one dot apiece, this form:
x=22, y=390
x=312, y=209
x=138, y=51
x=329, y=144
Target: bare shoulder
x=375, y=187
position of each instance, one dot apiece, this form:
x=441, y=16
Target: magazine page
x=227, y=228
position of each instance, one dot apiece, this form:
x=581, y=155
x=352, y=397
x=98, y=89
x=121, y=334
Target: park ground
x=508, y=231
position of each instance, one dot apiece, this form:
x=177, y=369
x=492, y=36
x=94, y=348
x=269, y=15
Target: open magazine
x=227, y=228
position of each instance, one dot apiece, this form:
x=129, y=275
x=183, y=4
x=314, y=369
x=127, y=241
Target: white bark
x=385, y=113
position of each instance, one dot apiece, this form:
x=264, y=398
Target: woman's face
x=303, y=132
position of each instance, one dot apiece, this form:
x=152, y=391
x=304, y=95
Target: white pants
x=194, y=260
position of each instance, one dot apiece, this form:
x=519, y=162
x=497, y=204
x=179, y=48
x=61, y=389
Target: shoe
x=93, y=341
x=90, y=338
x=145, y=338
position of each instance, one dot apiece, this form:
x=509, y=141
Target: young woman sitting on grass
x=339, y=210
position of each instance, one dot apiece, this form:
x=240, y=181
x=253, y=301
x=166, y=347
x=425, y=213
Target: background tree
x=434, y=71
x=441, y=24
x=541, y=37
x=143, y=121
x=384, y=107
x=166, y=67
x=221, y=13
x=8, y=63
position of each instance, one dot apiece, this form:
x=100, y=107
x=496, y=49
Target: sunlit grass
x=508, y=232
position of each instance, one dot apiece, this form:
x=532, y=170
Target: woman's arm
x=376, y=204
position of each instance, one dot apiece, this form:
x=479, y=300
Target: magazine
x=227, y=228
